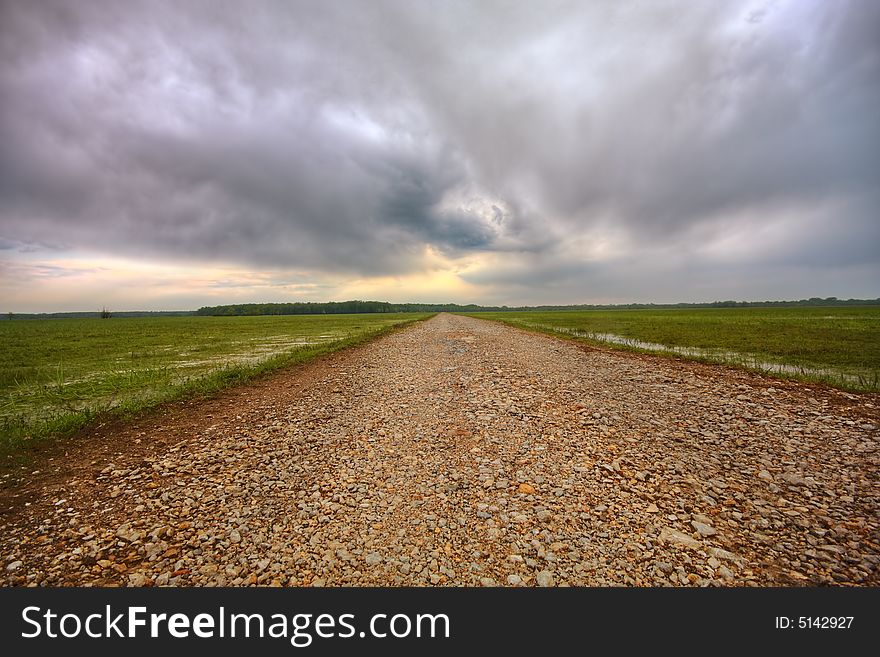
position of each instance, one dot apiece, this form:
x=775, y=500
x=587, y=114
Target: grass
x=57, y=376
x=836, y=345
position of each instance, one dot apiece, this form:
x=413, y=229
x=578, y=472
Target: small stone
x=209, y=569
x=545, y=578
x=724, y=555
x=487, y=581
x=514, y=580
x=137, y=579
x=373, y=559
x=235, y=536
x=676, y=537
x=793, y=479
x=526, y=489
x=15, y=565
x=766, y=476
x=703, y=529
x=652, y=508
x=126, y=533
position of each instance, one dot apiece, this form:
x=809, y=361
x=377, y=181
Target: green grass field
x=57, y=375
x=839, y=345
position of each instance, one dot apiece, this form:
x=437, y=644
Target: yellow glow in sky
x=83, y=283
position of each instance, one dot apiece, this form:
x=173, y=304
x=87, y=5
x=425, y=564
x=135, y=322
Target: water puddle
x=716, y=355
x=260, y=349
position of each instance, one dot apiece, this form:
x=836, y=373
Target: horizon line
x=450, y=303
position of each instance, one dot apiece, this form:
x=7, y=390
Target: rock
x=514, y=580
x=676, y=537
x=137, y=579
x=526, y=489
x=703, y=529
x=652, y=508
x=487, y=581
x=15, y=565
x=545, y=578
x=126, y=533
x=209, y=570
x=766, y=476
x=724, y=555
x=235, y=536
x=373, y=559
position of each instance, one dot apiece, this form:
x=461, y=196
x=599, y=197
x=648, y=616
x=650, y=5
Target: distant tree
x=11, y=316
x=105, y=313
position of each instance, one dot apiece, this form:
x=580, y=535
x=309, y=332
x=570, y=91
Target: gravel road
x=463, y=452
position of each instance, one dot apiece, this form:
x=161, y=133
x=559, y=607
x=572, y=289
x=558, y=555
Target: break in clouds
x=545, y=152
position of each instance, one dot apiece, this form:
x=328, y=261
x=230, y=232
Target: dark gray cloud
x=348, y=137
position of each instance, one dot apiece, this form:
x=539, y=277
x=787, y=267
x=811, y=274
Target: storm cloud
x=587, y=150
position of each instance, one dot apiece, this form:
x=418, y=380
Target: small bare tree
x=105, y=313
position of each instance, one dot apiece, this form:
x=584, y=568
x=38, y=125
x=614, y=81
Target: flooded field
x=57, y=373
x=840, y=346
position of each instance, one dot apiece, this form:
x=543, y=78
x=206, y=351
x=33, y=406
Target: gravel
x=459, y=452
x=545, y=578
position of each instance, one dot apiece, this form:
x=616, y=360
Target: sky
x=169, y=155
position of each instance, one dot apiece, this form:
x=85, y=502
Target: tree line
x=332, y=308
x=357, y=306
